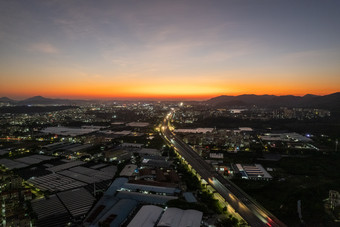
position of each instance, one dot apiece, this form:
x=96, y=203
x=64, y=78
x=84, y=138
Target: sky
x=178, y=49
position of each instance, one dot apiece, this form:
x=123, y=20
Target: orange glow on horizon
x=94, y=94
x=163, y=89
x=167, y=50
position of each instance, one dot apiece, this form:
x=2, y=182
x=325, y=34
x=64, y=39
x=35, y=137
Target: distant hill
x=36, y=100
x=331, y=101
x=6, y=100
x=39, y=100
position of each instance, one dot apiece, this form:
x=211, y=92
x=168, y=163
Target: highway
x=251, y=211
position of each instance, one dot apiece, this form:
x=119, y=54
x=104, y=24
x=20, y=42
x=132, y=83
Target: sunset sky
x=168, y=48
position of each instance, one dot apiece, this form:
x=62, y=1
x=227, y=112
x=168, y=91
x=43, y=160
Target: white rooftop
x=66, y=131
x=293, y=136
x=147, y=216
x=175, y=217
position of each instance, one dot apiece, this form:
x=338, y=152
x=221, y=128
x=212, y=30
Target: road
x=250, y=210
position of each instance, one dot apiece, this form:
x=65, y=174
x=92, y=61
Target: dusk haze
x=169, y=113
x=168, y=49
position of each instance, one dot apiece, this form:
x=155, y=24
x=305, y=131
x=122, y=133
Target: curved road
x=249, y=209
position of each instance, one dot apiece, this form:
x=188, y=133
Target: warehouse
x=175, y=217
x=147, y=216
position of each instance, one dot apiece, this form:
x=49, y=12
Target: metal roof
x=149, y=188
x=145, y=198
x=9, y=164
x=175, y=217
x=55, y=182
x=65, y=166
x=128, y=170
x=47, y=207
x=147, y=216
x=118, y=213
x=189, y=197
x=117, y=184
x=77, y=201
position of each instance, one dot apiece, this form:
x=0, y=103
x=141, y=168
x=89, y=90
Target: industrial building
x=71, y=175
x=175, y=217
x=117, y=214
x=24, y=161
x=50, y=212
x=147, y=216
x=128, y=170
x=78, y=201
x=253, y=172
x=120, y=200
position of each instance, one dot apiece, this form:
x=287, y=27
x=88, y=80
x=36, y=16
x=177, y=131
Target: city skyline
x=168, y=50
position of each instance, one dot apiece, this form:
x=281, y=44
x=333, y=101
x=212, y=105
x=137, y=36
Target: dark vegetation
x=306, y=179
x=230, y=221
x=207, y=204
x=328, y=126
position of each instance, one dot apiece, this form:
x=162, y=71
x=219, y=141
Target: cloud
x=43, y=47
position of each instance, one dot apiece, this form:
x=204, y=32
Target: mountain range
x=39, y=100
x=331, y=101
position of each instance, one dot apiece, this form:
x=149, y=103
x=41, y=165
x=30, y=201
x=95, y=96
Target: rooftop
x=147, y=216
x=175, y=217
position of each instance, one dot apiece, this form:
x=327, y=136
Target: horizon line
x=153, y=98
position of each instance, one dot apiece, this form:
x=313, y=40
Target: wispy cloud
x=43, y=47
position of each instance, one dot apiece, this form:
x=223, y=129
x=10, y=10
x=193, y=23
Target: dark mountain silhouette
x=6, y=100
x=331, y=101
x=39, y=100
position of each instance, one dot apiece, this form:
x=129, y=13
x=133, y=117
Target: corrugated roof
x=77, y=201
x=147, y=216
x=175, y=217
x=55, y=182
x=79, y=177
x=9, y=164
x=48, y=207
x=105, y=174
x=65, y=166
